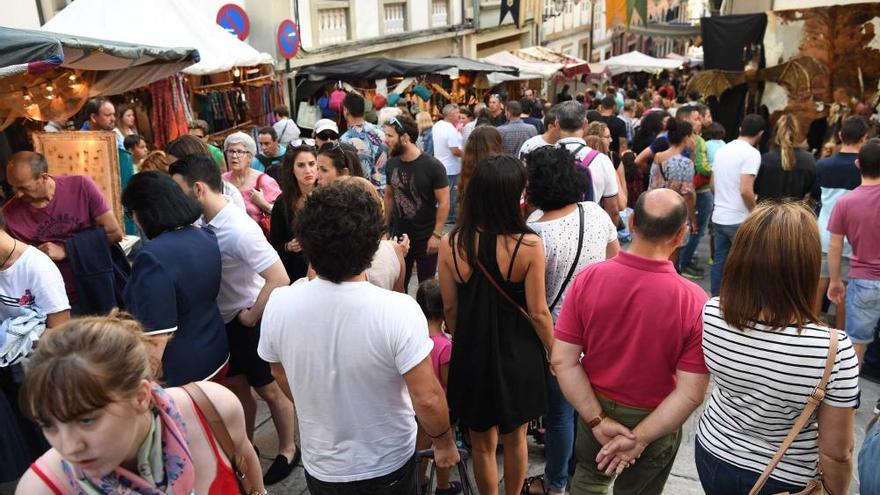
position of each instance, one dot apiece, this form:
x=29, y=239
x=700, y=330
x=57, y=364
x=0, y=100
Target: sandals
x=527, y=486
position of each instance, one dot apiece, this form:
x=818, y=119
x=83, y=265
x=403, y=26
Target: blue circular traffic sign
x=234, y=20
x=287, y=38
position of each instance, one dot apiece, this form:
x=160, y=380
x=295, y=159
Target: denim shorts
x=862, y=309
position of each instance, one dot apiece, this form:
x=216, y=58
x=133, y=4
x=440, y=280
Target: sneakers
x=693, y=272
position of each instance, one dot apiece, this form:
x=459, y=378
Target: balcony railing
x=333, y=26
x=395, y=18
x=439, y=13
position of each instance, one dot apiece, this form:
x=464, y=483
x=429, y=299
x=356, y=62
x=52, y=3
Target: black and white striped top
x=763, y=379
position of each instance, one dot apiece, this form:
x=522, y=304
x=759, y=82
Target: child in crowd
x=428, y=297
x=714, y=136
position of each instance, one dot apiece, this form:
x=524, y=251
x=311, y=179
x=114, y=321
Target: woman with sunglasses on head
x=492, y=283
x=335, y=161
x=175, y=279
x=91, y=387
x=258, y=189
x=298, y=178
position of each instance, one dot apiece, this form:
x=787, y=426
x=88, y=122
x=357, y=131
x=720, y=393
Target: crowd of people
x=552, y=246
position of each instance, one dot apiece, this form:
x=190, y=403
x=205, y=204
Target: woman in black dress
x=497, y=375
x=298, y=175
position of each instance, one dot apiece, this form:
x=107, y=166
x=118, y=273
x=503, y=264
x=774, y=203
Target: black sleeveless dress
x=497, y=375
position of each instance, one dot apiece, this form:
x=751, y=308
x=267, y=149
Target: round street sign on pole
x=287, y=38
x=234, y=20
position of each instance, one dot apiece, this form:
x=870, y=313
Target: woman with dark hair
x=334, y=162
x=575, y=234
x=491, y=270
x=482, y=143
x=766, y=348
x=175, y=280
x=298, y=175
x=652, y=124
x=673, y=170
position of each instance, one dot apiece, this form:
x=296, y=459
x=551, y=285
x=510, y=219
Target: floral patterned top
x=676, y=173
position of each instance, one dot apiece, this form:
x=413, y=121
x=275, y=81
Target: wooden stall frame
x=90, y=153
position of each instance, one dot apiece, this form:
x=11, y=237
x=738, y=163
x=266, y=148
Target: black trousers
x=404, y=481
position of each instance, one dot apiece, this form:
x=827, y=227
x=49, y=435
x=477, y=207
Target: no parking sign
x=287, y=38
x=234, y=20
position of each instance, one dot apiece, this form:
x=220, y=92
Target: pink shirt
x=74, y=207
x=855, y=216
x=441, y=354
x=267, y=184
x=638, y=322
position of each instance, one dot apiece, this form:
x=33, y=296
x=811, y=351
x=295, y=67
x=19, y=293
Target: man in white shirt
x=251, y=270
x=448, y=149
x=286, y=128
x=570, y=116
x=549, y=137
x=733, y=173
x=365, y=375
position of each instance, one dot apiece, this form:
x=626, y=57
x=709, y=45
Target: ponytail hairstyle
x=785, y=136
x=677, y=131
x=86, y=364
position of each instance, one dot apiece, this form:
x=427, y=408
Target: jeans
x=426, y=264
x=869, y=460
x=724, y=235
x=705, y=200
x=560, y=423
x=646, y=477
x=721, y=478
x=862, y=309
x=453, y=197
x=404, y=481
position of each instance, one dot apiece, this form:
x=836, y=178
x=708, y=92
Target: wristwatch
x=598, y=419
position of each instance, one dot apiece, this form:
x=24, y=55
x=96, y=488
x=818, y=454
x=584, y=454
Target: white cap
x=325, y=125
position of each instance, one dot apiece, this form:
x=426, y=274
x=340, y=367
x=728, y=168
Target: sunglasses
x=303, y=142
x=396, y=123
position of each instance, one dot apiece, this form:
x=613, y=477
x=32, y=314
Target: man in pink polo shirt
x=638, y=325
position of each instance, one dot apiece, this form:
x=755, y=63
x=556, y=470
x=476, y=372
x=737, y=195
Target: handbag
x=221, y=433
x=574, y=263
x=307, y=115
x=815, y=486
x=265, y=221
x=467, y=488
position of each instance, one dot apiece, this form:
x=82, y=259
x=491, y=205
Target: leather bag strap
x=215, y=422
x=813, y=402
x=577, y=258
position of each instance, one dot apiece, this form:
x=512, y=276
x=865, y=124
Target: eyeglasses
x=396, y=123
x=237, y=152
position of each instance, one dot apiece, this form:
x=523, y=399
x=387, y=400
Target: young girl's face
x=99, y=441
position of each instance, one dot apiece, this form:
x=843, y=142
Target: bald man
x=48, y=211
x=638, y=324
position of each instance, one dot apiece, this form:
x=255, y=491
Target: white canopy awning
x=639, y=62
x=164, y=23
x=528, y=69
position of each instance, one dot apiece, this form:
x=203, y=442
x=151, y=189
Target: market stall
x=48, y=76
x=639, y=62
x=420, y=84
x=232, y=85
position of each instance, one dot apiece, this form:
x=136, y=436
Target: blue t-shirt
x=173, y=287
x=835, y=176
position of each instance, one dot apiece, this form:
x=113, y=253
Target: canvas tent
x=374, y=68
x=52, y=75
x=639, y=62
x=528, y=69
x=165, y=23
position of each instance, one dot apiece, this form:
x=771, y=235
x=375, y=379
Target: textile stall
x=173, y=23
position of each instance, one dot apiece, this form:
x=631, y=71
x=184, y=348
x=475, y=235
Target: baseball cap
x=326, y=125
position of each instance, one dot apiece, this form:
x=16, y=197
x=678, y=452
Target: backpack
x=585, y=164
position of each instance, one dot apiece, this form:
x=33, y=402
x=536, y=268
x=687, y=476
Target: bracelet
x=597, y=420
x=440, y=435
x=438, y=235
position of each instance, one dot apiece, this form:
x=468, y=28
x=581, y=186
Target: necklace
x=14, y=245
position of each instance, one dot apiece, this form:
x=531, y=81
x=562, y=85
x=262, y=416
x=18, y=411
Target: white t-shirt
x=244, y=253
x=287, y=131
x=560, y=238
x=763, y=378
x=532, y=144
x=345, y=365
x=446, y=136
x=601, y=169
x=732, y=161
x=33, y=279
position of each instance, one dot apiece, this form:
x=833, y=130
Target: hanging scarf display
x=171, y=111
x=165, y=465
